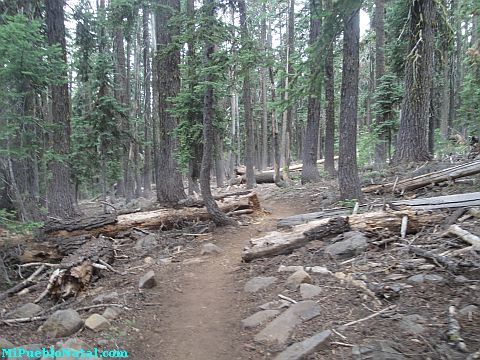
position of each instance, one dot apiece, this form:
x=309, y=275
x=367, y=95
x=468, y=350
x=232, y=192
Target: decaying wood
x=466, y=236
x=442, y=202
x=85, y=223
x=23, y=284
x=164, y=219
x=453, y=332
x=371, y=316
x=277, y=243
x=449, y=174
x=190, y=202
x=445, y=261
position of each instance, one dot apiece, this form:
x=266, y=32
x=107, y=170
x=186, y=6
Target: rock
x=73, y=343
x=460, y=279
x=258, y=283
x=165, y=261
x=97, y=322
x=304, y=348
x=102, y=342
x=111, y=312
x=308, y=291
x=275, y=305
x=468, y=310
x=449, y=353
x=426, y=267
x=297, y=278
x=377, y=350
x=259, y=318
x=210, y=249
x=318, y=270
x=147, y=281
x=281, y=328
x=412, y=324
x=62, y=323
x=25, y=311
x=148, y=260
x=146, y=243
x=353, y=244
x=434, y=278
x=106, y=298
x=293, y=268
x=416, y=279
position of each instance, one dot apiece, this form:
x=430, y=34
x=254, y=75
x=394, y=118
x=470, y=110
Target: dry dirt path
x=200, y=319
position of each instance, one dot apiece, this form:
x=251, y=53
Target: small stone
x=297, y=278
x=148, y=260
x=210, y=249
x=62, y=323
x=395, y=277
x=165, y=261
x=97, y=323
x=426, y=267
x=304, y=348
x=468, y=310
x=275, y=305
x=258, y=283
x=106, y=298
x=460, y=279
x=25, y=311
x=434, y=278
x=416, y=279
x=293, y=268
x=318, y=270
x=111, y=312
x=353, y=244
x=308, y=291
x=146, y=243
x=147, y=281
x=377, y=350
x=259, y=318
x=102, y=342
x=411, y=324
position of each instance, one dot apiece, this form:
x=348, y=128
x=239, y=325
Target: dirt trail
x=201, y=319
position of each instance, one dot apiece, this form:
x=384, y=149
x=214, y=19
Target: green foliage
x=8, y=220
x=366, y=142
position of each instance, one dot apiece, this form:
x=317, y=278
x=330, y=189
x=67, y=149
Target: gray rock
x=412, y=324
x=62, y=323
x=165, y=261
x=73, y=343
x=353, y=243
x=434, y=278
x=426, y=267
x=308, y=291
x=259, y=318
x=318, y=270
x=449, y=353
x=468, y=310
x=416, y=279
x=97, y=322
x=210, y=249
x=280, y=329
x=148, y=260
x=146, y=243
x=297, y=278
x=25, y=311
x=460, y=279
x=304, y=348
x=377, y=350
x=275, y=305
x=111, y=312
x=147, y=281
x=291, y=268
x=105, y=298
x=258, y=283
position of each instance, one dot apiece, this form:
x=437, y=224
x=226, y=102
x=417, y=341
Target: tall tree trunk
x=147, y=110
x=208, y=131
x=169, y=181
x=379, y=23
x=310, y=149
x=61, y=202
x=329, y=164
x=247, y=102
x=263, y=92
x=348, y=179
x=412, y=139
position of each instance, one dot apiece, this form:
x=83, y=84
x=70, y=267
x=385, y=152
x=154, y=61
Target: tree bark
x=61, y=202
x=169, y=183
x=348, y=179
x=412, y=139
x=263, y=89
x=310, y=148
x=329, y=165
x=147, y=110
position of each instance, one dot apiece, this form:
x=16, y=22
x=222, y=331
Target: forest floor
x=195, y=311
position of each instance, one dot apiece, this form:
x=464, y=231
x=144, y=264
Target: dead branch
x=23, y=284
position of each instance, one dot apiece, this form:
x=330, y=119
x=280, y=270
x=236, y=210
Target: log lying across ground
x=295, y=167
x=277, y=243
x=164, y=219
x=466, y=200
x=436, y=177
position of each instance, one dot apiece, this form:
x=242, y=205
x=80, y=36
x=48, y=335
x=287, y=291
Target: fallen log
x=240, y=170
x=163, y=219
x=190, y=202
x=278, y=243
x=449, y=174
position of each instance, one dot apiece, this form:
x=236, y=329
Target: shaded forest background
x=137, y=96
